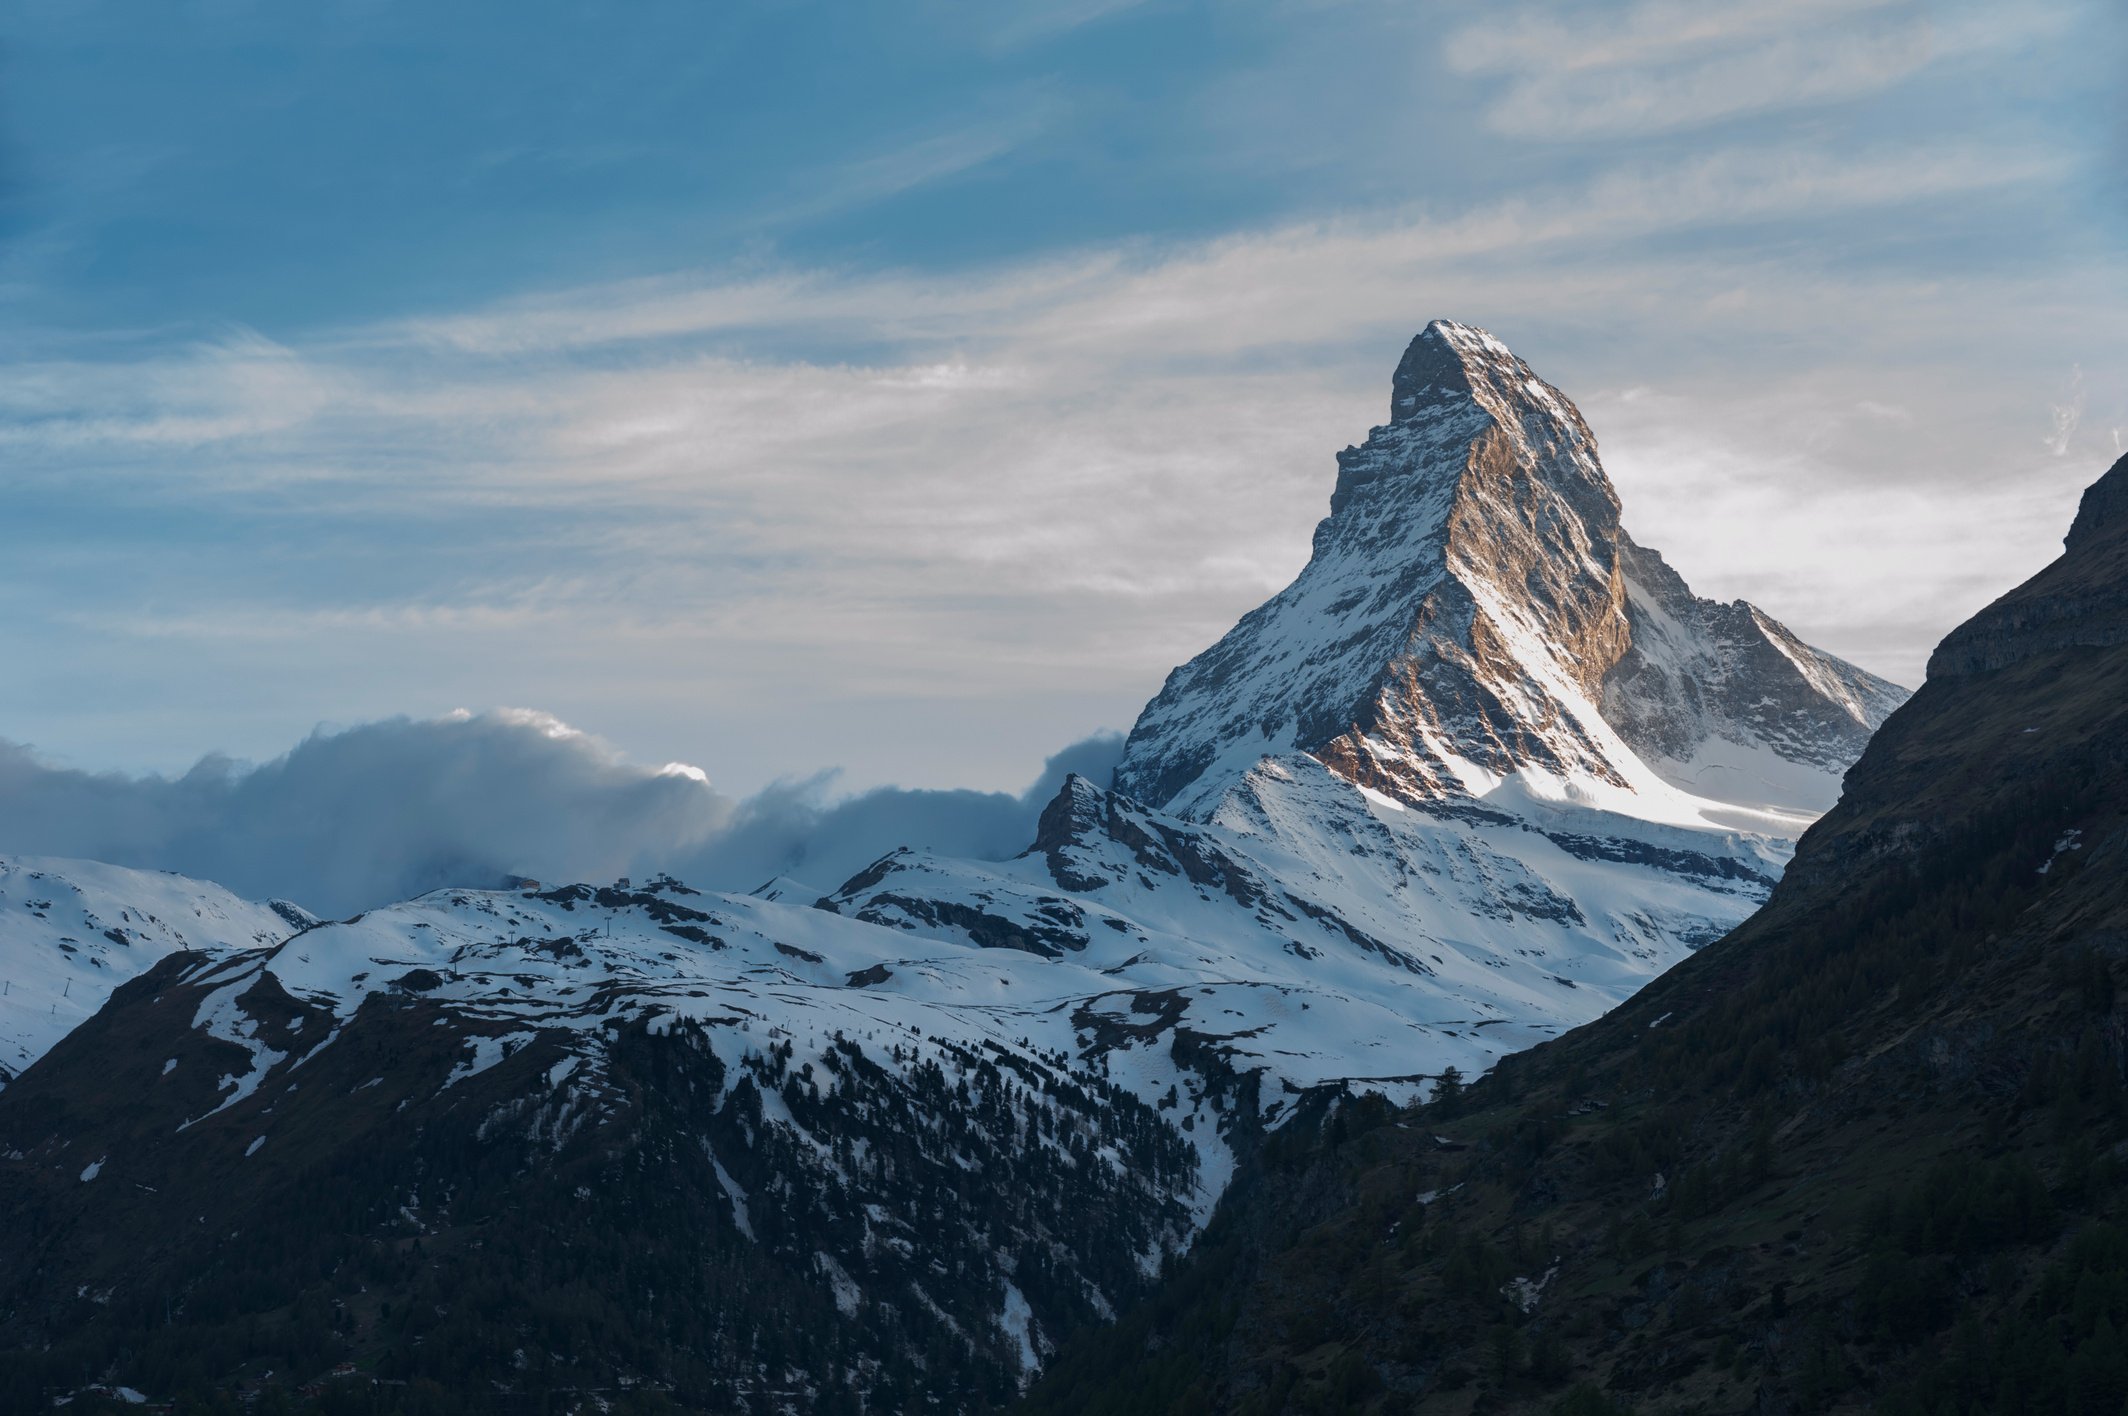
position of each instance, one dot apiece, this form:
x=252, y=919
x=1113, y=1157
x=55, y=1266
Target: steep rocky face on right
x=1726, y=702
x=1870, y=1152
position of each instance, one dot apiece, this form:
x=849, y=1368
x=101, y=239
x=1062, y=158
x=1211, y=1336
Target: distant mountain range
x=1484, y=770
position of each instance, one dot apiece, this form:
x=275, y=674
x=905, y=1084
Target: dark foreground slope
x=1870, y=1151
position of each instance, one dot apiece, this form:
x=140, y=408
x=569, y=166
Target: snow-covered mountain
x=1473, y=612
x=73, y=930
x=1481, y=772
x=1725, y=703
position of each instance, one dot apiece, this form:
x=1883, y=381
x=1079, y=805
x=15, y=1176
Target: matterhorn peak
x=1457, y=364
x=1470, y=615
x=1444, y=361
x=1454, y=383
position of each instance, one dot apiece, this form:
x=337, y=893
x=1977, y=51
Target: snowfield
x=71, y=931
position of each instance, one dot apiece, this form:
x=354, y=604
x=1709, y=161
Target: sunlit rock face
x=1473, y=609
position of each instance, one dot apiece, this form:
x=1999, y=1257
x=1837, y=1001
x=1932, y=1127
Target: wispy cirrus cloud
x=1006, y=28
x=1313, y=276
x=1594, y=72
x=911, y=161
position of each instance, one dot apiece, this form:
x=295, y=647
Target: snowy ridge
x=71, y=931
x=579, y=959
x=1187, y=980
x=1313, y=934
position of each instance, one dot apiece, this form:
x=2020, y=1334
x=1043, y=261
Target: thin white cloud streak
x=240, y=385
x=1664, y=66
x=1003, y=28
x=914, y=162
x=1107, y=294
x=1561, y=38
x=2068, y=415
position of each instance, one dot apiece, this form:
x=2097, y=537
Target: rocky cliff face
x=1724, y=702
x=1473, y=609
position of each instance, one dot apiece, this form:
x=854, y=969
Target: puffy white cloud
x=795, y=829
x=357, y=818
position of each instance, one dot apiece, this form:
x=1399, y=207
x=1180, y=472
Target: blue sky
x=778, y=386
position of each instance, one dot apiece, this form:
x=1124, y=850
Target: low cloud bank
x=791, y=828
x=354, y=819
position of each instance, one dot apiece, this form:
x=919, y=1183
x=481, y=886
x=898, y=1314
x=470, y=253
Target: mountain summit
x=1473, y=610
